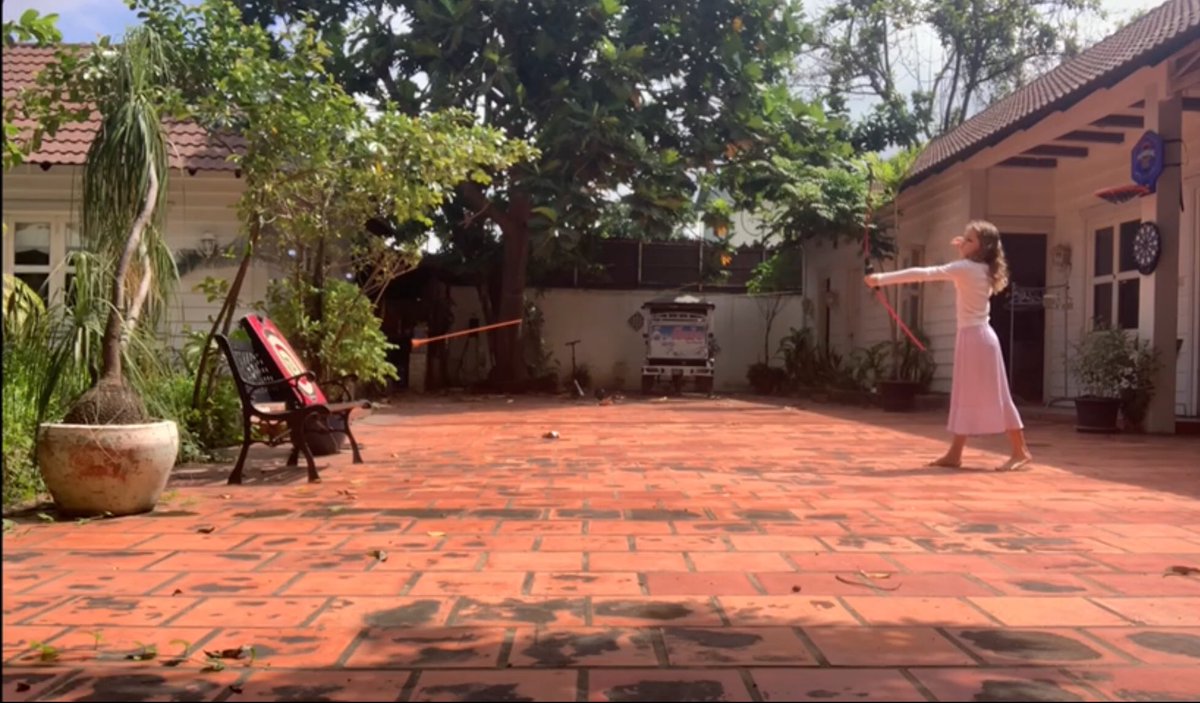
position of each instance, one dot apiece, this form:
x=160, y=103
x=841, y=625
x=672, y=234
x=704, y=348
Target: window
x=31, y=255
x=910, y=293
x=36, y=250
x=1116, y=283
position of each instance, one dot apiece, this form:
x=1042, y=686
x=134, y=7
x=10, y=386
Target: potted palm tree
x=108, y=456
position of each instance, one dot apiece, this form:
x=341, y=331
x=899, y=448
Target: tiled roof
x=1147, y=41
x=189, y=143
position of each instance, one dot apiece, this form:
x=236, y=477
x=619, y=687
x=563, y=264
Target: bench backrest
x=246, y=365
x=275, y=351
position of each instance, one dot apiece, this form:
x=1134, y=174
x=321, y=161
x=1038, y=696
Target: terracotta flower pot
x=114, y=469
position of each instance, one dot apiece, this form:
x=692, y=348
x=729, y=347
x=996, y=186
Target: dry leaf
x=207, y=529
x=1182, y=571
x=436, y=534
x=225, y=496
x=853, y=582
x=232, y=653
x=379, y=554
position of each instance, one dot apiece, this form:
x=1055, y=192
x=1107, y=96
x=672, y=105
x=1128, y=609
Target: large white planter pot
x=116, y=469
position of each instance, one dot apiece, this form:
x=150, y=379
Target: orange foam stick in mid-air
x=460, y=333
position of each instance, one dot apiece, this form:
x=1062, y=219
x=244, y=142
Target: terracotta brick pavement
x=696, y=549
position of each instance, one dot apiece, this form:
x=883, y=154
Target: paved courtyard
x=692, y=549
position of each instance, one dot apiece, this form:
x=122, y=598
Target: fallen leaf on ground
x=1182, y=571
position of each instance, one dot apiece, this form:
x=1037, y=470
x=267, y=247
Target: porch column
x=1163, y=209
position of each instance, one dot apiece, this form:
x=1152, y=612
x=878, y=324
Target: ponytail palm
x=124, y=199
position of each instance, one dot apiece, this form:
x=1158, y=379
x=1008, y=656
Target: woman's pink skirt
x=980, y=402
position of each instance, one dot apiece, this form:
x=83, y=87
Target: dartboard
x=1147, y=246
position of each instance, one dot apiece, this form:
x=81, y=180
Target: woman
x=980, y=402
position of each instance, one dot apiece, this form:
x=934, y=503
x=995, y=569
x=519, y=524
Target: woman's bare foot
x=1016, y=463
x=946, y=462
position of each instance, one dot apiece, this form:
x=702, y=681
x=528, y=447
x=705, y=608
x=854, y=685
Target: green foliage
x=347, y=340
x=989, y=49
x=1113, y=363
x=766, y=379
x=40, y=30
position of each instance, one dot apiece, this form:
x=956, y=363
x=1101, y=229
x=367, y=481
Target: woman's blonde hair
x=991, y=252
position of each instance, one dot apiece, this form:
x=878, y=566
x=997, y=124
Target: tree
x=629, y=97
x=319, y=167
x=773, y=283
x=41, y=31
x=125, y=180
x=931, y=64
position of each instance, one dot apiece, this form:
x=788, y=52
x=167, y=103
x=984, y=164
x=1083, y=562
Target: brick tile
x=538, y=611
x=642, y=685
x=707, y=583
x=261, y=611
x=636, y=561
x=195, y=542
x=916, y=611
x=534, y=561
x=267, y=685
x=585, y=584
x=654, y=611
x=739, y=561
x=120, y=560
x=235, y=584
x=774, y=611
x=18, y=638
x=31, y=683
x=629, y=527
x=1015, y=684
x=726, y=646
x=1145, y=683
x=1147, y=584
x=477, y=543
x=681, y=543
x=1034, y=647
x=1159, y=612
x=384, y=612
x=293, y=543
x=108, y=583
x=1045, y=584
x=429, y=561
x=335, y=583
x=835, y=561
x=1170, y=646
x=1061, y=611
x=579, y=647
x=585, y=543
x=89, y=646
x=143, y=683
x=887, y=646
x=322, y=561
x=428, y=648
x=513, y=684
x=212, y=561
x=542, y=527
x=118, y=610
x=453, y=583
x=835, y=685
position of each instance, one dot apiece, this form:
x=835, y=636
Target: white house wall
x=198, y=206
x=613, y=351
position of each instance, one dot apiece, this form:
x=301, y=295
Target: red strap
x=867, y=257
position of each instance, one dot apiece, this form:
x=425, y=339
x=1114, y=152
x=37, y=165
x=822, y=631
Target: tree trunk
x=115, y=326
x=206, y=375
x=510, y=362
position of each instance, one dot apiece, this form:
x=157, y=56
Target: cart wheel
x=704, y=384
x=648, y=384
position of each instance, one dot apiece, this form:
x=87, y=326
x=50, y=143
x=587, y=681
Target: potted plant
x=108, y=455
x=911, y=372
x=1114, y=372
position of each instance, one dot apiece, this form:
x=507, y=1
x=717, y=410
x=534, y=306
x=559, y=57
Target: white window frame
x=1095, y=224
x=60, y=264
x=910, y=294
